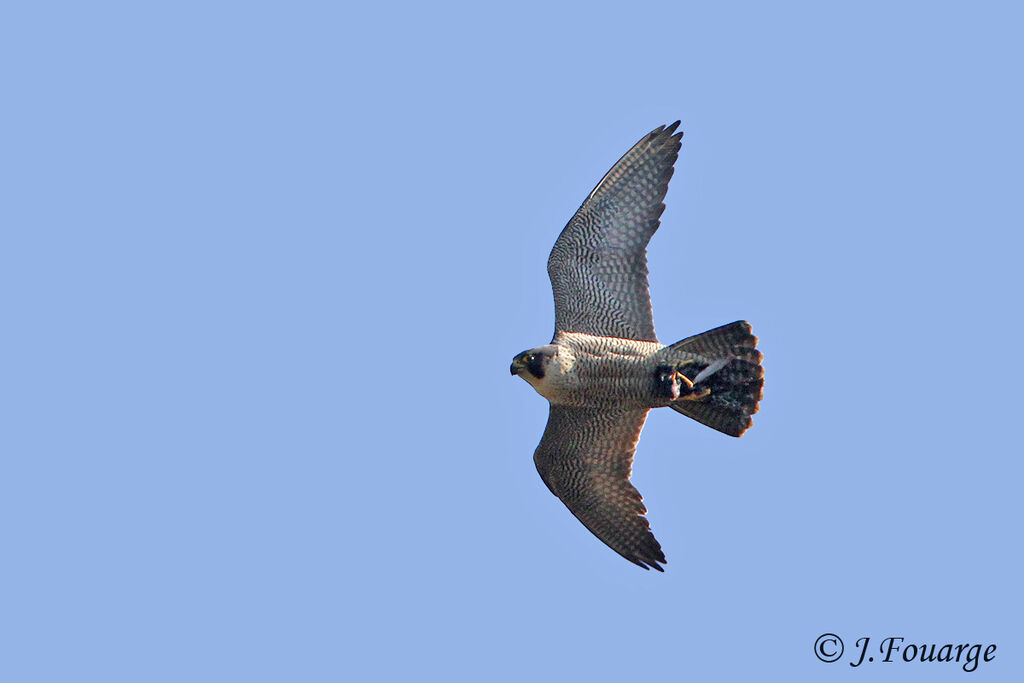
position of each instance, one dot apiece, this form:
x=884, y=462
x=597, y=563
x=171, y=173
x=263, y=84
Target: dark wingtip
x=647, y=563
x=666, y=131
x=648, y=560
x=675, y=139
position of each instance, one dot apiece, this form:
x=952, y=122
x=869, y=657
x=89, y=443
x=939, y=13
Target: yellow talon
x=683, y=379
x=699, y=394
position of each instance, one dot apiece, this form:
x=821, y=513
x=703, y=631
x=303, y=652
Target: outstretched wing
x=598, y=266
x=585, y=457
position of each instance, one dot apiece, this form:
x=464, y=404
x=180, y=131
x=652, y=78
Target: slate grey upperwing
x=586, y=457
x=598, y=266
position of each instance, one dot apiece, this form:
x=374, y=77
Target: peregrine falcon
x=605, y=369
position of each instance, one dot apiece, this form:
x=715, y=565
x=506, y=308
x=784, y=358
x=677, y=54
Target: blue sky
x=263, y=268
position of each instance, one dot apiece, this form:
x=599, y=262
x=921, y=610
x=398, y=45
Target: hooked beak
x=517, y=365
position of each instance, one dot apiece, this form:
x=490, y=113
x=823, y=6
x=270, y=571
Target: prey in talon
x=673, y=385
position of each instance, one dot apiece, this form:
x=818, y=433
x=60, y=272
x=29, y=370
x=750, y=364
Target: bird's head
x=533, y=364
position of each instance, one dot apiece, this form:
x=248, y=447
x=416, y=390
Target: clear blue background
x=264, y=266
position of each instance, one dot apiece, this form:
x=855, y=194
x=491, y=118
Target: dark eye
x=530, y=357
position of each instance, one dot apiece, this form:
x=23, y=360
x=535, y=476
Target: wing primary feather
x=598, y=265
x=584, y=458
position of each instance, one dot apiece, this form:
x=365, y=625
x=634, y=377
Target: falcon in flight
x=605, y=369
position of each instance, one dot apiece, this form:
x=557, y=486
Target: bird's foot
x=672, y=384
x=695, y=394
x=686, y=391
x=681, y=382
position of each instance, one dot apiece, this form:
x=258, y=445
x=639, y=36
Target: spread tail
x=725, y=369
